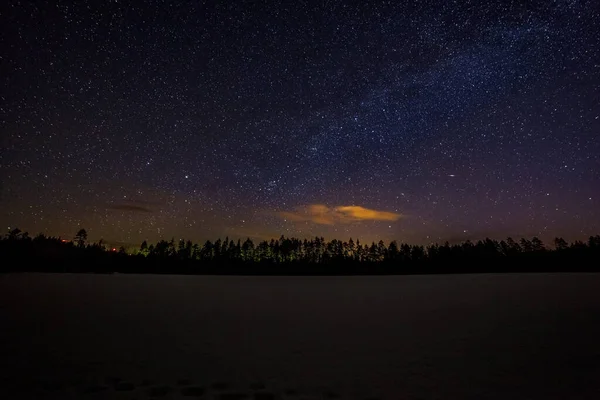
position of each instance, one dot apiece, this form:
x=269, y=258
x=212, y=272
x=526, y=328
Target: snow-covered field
x=530, y=336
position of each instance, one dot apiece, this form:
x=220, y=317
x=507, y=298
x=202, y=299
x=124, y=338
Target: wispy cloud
x=129, y=207
x=324, y=215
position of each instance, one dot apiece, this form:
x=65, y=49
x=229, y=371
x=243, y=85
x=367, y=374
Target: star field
x=417, y=121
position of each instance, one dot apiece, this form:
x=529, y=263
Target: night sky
x=417, y=121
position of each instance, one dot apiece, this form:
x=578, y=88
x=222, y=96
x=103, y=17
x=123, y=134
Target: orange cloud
x=324, y=215
x=361, y=213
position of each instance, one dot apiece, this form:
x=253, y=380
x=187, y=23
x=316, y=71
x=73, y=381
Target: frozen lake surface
x=488, y=336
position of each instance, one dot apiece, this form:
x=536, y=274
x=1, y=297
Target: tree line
x=289, y=255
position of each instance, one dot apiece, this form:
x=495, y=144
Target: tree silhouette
x=144, y=248
x=14, y=234
x=537, y=244
x=393, y=251
x=514, y=247
x=290, y=255
x=248, y=250
x=81, y=237
x=594, y=242
x=526, y=245
x=560, y=244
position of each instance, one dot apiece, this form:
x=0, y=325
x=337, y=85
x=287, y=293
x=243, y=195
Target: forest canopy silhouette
x=295, y=256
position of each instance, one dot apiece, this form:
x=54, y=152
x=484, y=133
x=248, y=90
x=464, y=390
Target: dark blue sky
x=416, y=121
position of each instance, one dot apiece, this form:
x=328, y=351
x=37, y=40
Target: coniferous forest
x=292, y=256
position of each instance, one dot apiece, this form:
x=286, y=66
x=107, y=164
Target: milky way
x=421, y=122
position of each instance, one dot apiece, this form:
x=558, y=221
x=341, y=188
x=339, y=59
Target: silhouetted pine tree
x=293, y=255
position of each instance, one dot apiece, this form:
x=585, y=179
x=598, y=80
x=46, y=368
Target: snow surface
x=486, y=336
